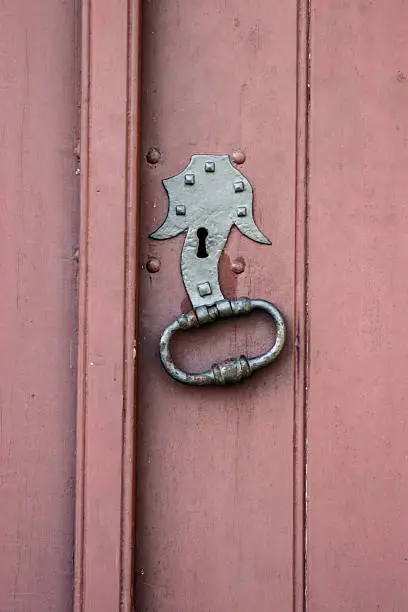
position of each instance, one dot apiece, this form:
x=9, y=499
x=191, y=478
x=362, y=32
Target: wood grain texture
x=220, y=471
x=39, y=216
x=108, y=259
x=358, y=295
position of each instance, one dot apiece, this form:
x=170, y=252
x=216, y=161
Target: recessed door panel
x=215, y=473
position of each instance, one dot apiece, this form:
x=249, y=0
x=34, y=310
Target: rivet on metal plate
x=189, y=179
x=180, y=209
x=239, y=186
x=204, y=289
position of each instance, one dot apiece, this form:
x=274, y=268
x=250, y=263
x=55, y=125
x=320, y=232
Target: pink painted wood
x=39, y=216
x=108, y=261
x=220, y=472
x=219, y=518
x=358, y=295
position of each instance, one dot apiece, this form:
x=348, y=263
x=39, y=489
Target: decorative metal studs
x=204, y=289
x=180, y=209
x=153, y=265
x=153, y=156
x=239, y=186
x=241, y=211
x=238, y=265
x=189, y=179
x=209, y=166
x=238, y=156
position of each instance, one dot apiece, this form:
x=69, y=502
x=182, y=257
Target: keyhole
x=202, y=234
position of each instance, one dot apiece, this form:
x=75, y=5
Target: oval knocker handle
x=230, y=370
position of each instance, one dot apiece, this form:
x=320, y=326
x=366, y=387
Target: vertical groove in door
x=307, y=334
x=82, y=313
x=130, y=282
x=300, y=313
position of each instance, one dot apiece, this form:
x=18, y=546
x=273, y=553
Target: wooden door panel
x=215, y=476
x=39, y=216
x=358, y=294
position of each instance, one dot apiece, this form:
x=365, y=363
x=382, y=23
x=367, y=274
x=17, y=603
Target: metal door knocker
x=206, y=199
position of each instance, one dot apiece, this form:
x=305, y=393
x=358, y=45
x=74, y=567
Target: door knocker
x=206, y=199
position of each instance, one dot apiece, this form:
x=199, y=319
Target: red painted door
x=286, y=492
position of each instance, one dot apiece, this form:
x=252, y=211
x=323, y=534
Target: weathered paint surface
x=38, y=227
x=107, y=299
x=358, y=296
x=219, y=518
x=216, y=466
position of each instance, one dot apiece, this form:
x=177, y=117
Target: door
x=288, y=490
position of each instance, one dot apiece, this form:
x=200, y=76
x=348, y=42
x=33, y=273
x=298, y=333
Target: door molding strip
x=107, y=306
